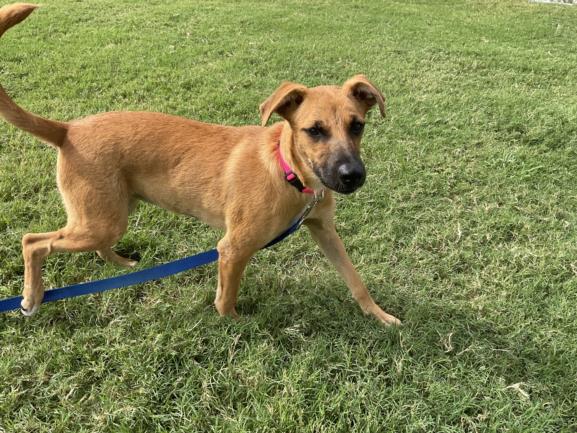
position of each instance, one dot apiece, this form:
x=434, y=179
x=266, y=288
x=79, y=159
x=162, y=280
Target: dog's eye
x=356, y=127
x=315, y=132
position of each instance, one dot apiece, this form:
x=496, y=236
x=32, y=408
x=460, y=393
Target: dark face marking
x=356, y=127
x=342, y=172
x=338, y=164
x=317, y=132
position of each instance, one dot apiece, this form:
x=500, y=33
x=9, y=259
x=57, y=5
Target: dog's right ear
x=284, y=101
x=10, y=15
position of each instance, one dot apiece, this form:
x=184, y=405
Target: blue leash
x=138, y=277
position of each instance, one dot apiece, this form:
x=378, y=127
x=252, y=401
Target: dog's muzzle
x=345, y=175
x=351, y=175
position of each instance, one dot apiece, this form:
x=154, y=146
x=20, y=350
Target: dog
x=251, y=181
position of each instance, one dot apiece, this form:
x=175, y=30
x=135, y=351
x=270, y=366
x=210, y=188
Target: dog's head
x=327, y=124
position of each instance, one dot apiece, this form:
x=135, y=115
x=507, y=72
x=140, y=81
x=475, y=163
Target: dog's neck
x=285, y=138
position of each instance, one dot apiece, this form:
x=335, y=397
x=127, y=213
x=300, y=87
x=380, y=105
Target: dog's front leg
x=325, y=234
x=233, y=258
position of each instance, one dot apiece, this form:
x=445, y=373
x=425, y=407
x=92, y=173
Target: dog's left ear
x=361, y=89
x=284, y=101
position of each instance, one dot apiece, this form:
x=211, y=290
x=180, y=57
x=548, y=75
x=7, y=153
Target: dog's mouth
x=344, y=177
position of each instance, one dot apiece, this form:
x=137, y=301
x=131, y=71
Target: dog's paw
x=389, y=320
x=224, y=311
x=112, y=257
x=385, y=318
x=28, y=307
x=130, y=263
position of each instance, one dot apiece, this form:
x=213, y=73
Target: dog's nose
x=351, y=174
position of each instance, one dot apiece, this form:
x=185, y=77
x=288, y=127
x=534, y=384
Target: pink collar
x=290, y=175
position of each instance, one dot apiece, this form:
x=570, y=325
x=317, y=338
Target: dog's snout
x=350, y=173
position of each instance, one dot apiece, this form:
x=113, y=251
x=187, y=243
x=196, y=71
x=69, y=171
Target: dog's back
x=177, y=163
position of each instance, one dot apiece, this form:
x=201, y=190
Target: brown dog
x=229, y=177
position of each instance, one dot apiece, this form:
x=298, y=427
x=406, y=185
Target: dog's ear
x=361, y=89
x=10, y=15
x=284, y=101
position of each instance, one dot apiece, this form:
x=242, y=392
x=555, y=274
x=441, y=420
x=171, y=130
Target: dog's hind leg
x=37, y=246
x=97, y=205
x=110, y=256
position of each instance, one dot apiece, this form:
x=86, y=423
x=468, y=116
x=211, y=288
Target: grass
x=466, y=228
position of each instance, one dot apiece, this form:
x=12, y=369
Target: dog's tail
x=47, y=130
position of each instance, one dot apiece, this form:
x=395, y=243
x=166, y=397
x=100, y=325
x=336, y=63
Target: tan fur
x=228, y=177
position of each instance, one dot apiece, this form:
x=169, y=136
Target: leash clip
x=318, y=196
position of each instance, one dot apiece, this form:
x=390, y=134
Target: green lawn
x=466, y=228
